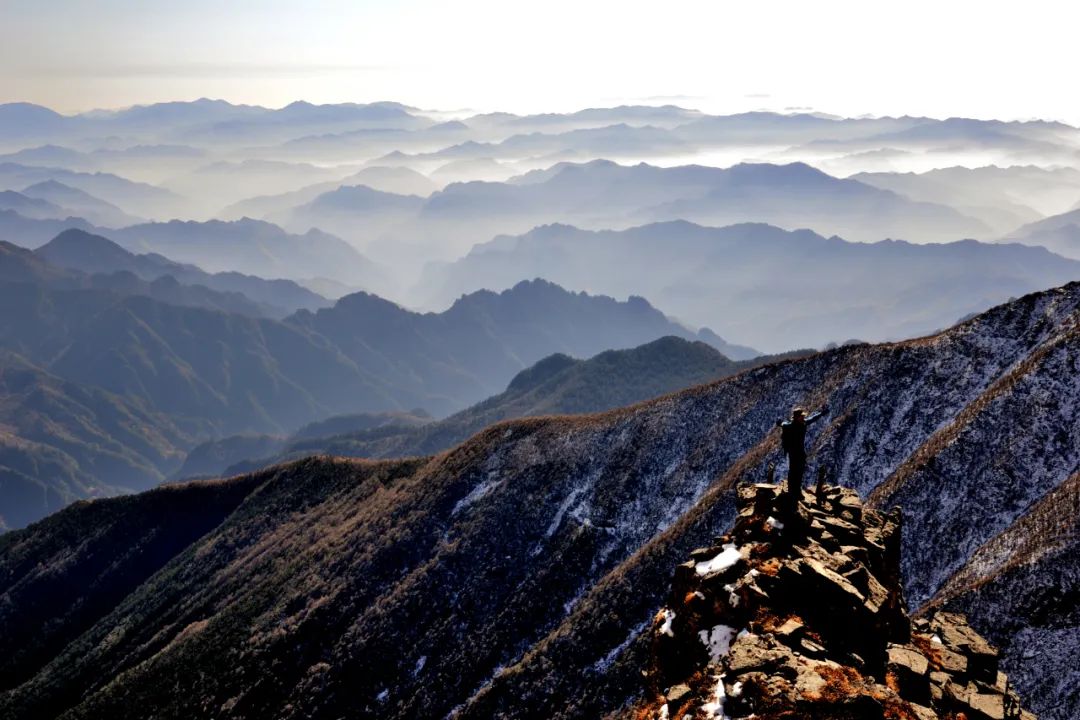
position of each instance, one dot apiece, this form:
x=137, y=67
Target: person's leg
x=796, y=468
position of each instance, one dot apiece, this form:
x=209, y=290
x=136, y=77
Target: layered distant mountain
x=216, y=121
x=1002, y=197
x=605, y=195
x=205, y=363
x=149, y=163
x=524, y=568
x=633, y=115
x=771, y=288
x=1059, y=233
x=31, y=232
x=79, y=203
x=93, y=254
x=215, y=185
x=1016, y=141
x=38, y=269
x=806, y=136
x=208, y=158
x=246, y=246
x=30, y=207
x=131, y=197
x=618, y=140
x=253, y=247
x=357, y=212
x=396, y=180
x=558, y=384
x=204, y=120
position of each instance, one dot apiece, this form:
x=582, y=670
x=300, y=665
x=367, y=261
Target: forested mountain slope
x=515, y=575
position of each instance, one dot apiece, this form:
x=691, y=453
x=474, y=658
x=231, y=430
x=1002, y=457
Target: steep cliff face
x=799, y=612
x=517, y=574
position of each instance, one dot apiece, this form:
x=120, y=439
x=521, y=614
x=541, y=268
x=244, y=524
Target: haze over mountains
x=544, y=335
x=183, y=210
x=773, y=288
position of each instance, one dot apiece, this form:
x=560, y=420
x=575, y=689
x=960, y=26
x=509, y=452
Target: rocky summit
x=799, y=612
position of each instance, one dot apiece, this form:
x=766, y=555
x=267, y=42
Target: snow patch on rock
x=724, y=560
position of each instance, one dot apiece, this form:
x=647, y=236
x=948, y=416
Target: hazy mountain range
x=524, y=568
x=1059, y=233
x=104, y=329
x=558, y=384
x=93, y=254
x=400, y=183
x=135, y=198
x=396, y=180
x=1002, y=197
x=197, y=146
x=246, y=246
x=605, y=195
x=768, y=287
x=773, y=289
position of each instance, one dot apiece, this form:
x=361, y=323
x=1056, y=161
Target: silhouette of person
x=793, y=440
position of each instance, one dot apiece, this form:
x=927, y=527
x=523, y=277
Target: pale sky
x=937, y=58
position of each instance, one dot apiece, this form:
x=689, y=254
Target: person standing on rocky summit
x=793, y=440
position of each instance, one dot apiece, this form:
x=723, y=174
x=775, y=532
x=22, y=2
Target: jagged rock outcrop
x=800, y=614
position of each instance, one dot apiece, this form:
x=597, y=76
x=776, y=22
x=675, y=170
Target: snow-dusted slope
x=1022, y=588
x=513, y=576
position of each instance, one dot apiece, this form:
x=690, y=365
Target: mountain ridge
x=556, y=385
x=170, y=351
x=520, y=570
x=778, y=288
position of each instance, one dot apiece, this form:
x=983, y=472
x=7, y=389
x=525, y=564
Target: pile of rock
x=799, y=613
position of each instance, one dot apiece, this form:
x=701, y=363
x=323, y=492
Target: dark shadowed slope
x=557, y=384
x=1022, y=588
x=514, y=575
x=60, y=442
x=212, y=458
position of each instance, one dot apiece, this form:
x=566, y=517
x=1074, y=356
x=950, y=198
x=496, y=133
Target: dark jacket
x=793, y=434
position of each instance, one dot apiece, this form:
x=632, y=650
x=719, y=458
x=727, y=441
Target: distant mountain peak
x=536, y=375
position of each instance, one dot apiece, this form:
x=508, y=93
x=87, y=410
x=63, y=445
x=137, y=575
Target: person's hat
x=797, y=411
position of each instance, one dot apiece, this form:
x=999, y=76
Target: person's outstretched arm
x=814, y=417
